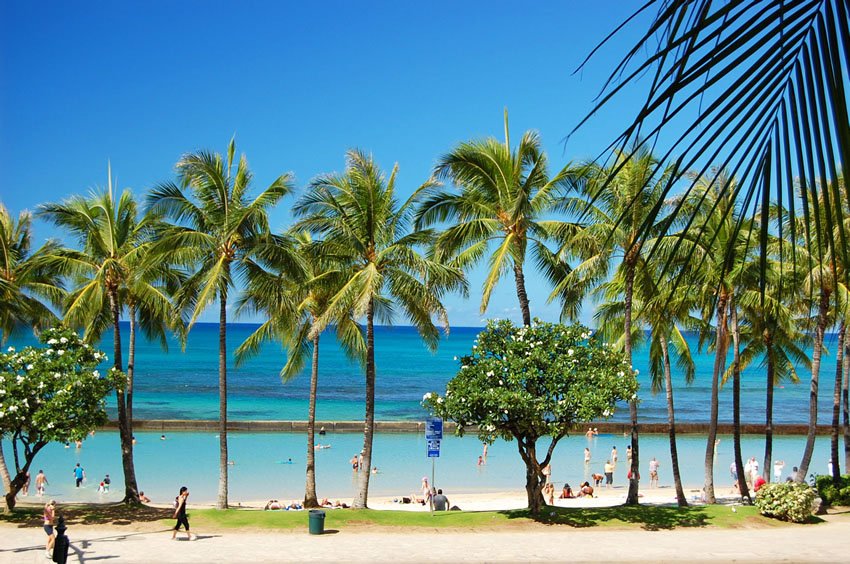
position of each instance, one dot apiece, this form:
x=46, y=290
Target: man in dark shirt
x=441, y=502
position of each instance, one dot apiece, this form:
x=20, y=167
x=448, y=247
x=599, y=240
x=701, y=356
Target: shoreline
x=401, y=426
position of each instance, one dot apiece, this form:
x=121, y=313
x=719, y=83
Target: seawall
x=211, y=426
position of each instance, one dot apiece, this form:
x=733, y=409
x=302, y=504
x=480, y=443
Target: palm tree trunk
x=845, y=399
x=736, y=402
x=820, y=330
x=836, y=406
x=521, y=294
x=768, y=423
x=634, y=482
x=721, y=337
x=131, y=489
x=310, y=499
x=222, y=402
x=360, y=502
x=671, y=425
x=131, y=366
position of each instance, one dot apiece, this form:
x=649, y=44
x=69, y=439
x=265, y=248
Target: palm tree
x=292, y=292
x=113, y=239
x=616, y=202
x=714, y=242
x=502, y=199
x=357, y=214
x=822, y=285
x=771, y=334
x=215, y=227
x=27, y=280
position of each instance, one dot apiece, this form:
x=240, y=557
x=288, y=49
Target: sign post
x=433, y=436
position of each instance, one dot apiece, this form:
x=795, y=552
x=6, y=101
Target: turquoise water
x=192, y=459
x=184, y=385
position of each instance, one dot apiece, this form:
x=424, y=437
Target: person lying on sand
x=272, y=505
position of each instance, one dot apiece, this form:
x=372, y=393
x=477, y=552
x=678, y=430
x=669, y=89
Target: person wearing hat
x=48, y=516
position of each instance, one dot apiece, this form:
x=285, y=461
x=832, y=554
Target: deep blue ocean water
x=184, y=384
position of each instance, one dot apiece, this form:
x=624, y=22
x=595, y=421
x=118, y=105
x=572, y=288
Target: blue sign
x=434, y=428
x=433, y=448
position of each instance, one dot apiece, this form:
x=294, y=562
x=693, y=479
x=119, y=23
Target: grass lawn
x=645, y=517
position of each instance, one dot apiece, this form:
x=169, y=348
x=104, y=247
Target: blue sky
x=298, y=84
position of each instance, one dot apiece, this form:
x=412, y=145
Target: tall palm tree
x=27, y=280
x=112, y=236
x=616, y=202
x=771, y=333
x=714, y=241
x=292, y=292
x=823, y=288
x=358, y=215
x=215, y=227
x=503, y=196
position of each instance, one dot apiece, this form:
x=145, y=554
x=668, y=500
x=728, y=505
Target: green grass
x=646, y=517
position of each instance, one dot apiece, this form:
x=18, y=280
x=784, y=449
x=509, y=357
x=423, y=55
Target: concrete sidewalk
x=827, y=542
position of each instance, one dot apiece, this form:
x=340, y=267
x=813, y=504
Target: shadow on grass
x=112, y=514
x=649, y=517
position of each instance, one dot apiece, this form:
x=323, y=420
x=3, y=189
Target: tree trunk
x=634, y=482
x=534, y=480
x=310, y=499
x=360, y=502
x=222, y=402
x=721, y=337
x=521, y=294
x=836, y=406
x=131, y=488
x=845, y=399
x=736, y=402
x=131, y=366
x=671, y=425
x=21, y=476
x=768, y=417
x=820, y=330
x=4, y=476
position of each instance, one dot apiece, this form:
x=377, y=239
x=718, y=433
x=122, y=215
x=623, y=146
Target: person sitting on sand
x=143, y=498
x=586, y=490
x=566, y=493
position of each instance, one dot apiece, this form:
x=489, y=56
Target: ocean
x=177, y=384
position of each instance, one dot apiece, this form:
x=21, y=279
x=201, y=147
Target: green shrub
x=832, y=495
x=786, y=501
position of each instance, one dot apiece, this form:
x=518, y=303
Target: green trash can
x=317, y=522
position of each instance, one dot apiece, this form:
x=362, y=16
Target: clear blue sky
x=140, y=83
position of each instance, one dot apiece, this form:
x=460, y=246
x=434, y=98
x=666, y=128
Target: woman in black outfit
x=180, y=513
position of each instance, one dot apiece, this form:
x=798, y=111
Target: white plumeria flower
x=29, y=367
x=63, y=340
x=570, y=352
x=501, y=383
x=60, y=352
x=52, y=342
x=426, y=397
x=19, y=379
x=489, y=373
x=95, y=373
x=50, y=425
x=48, y=352
x=439, y=400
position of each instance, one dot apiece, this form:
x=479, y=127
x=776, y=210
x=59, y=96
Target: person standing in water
x=180, y=513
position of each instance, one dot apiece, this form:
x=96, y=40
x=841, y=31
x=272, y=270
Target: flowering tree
x=52, y=393
x=533, y=381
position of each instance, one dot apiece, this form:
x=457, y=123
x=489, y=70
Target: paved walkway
x=827, y=542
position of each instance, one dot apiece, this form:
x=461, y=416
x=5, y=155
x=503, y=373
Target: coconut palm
x=358, y=215
x=770, y=332
x=113, y=239
x=292, y=290
x=714, y=242
x=500, y=206
x=27, y=280
x=215, y=227
x=616, y=207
